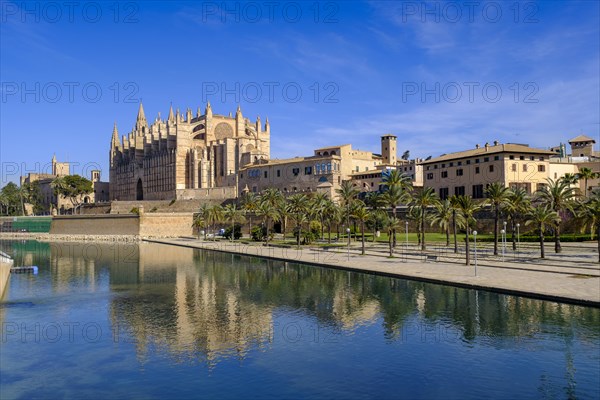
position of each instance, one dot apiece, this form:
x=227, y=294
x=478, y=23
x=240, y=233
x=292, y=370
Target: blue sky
x=442, y=76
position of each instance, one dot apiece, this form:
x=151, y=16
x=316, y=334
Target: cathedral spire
x=171, y=117
x=115, y=142
x=141, y=122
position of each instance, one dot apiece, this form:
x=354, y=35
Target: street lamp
x=348, y=233
x=202, y=235
x=503, y=232
x=475, y=248
x=406, y=238
x=518, y=239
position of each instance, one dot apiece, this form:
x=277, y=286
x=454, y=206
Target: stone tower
x=582, y=146
x=389, y=149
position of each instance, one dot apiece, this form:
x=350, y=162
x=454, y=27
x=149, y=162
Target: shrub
x=172, y=202
x=258, y=233
x=154, y=209
x=237, y=232
x=135, y=210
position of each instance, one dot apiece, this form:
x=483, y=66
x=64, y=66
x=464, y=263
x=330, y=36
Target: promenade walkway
x=572, y=276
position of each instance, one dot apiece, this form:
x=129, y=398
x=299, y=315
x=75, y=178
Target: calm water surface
x=156, y=321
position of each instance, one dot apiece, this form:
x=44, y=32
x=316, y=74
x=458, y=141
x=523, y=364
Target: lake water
x=155, y=321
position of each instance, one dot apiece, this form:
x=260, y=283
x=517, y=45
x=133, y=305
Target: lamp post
x=505, y=237
x=348, y=233
x=406, y=256
x=475, y=248
x=518, y=239
x=503, y=232
x=202, y=235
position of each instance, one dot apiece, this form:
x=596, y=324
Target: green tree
x=558, y=196
x=202, y=220
x=362, y=215
x=72, y=187
x=392, y=225
x=233, y=215
x=516, y=206
x=497, y=194
x=11, y=198
x=298, y=206
x=333, y=215
x=398, y=188
x=467, y=208
x=347, y=193
x=423, y=200
x=445, y=215
x=268, y=212
x=585, y=174
x=456, y=220
x=318, y=206
x=249, y=203
x=590, y=210
x=542, y=216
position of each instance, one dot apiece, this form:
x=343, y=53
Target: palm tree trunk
x=496, y=219
x=598, y=239
x=447, y=235
x=362, y=229
x=557, y=247
x=322, y=227
x=329, y=233
x=391, y=244
x=423, y=246
x=394, y=230
x=514, y=239
x=454, y=231
x=542, y=254
x=467, y=254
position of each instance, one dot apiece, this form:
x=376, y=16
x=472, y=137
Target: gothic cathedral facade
x=185, y=156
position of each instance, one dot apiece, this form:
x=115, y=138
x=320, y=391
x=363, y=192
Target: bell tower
x=389, y=149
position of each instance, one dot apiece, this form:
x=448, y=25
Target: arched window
x=323, y=179
x=333, y=152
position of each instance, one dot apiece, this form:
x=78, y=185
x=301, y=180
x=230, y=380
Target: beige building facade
x=469, y=172
x=184, y=156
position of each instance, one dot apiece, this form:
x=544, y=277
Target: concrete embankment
x=570, y=284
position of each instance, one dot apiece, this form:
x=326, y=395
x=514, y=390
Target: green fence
x=25, y=224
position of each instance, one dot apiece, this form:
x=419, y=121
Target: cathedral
x=185, y=156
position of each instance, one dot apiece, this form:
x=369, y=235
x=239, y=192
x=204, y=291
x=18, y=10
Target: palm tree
x=347, y=193
x=542, y=216
x=497, y=195
x=443, y=217
x=392, y=225
x=414, y=214
x=515, y=207
x=233, y=214
x=362, y=215
x=318, y=206
x=398, y=187
x=249, y=203
x=375, y=201
x=454, y=205
x=590, y=209
x=585, y=174
x=467, y=208
x=423, y=200
x=298, y=206
x=215, y=215
x=571, y=179
x=558, y=196
x=202, y=219
x=333, y=214
x=268, y=212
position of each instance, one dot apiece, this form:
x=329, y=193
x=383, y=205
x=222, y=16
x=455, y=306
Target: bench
x=430, y=257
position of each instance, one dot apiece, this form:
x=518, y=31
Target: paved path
x=572, y=276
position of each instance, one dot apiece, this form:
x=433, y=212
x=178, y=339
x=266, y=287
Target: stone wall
x=216, y=193
x=106, y=224
x=166, y=224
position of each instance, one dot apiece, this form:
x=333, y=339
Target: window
x=443, y=165
x=357, y=167
x=435, y=166
x=307, y=170
x=443, y=193
x=513, y=167
x=477, y=161
x=459, y=191
x=476, y=170
x=531, y=158
x=496, y=158
x=541, y=168
x=278, y=173
x=459, y=172
x=491, y=168
x=451, y=164
x=295, y=171
x=478, y=191
x=468, y=162
x=317, y=169
x=511, y=157
x=521, y=158
x=524, y=167
x=430, y=176
x=265, y=174
x=541, y=158
x=486, y=159
x=444, y=174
